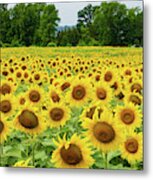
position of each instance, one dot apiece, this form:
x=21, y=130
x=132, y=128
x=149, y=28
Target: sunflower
x=129, y=116
x=134, y=97
x=94, y=109
x=102, y=93
x=80, y=92
x=35, y=94
x=7, y=104
x=23, y=163
x=7, y=87
x=29, y=120
x=109, y=75
x=57, y=114
x=132, y=148
x=54, y=94
x=5, y=128
x=73, y=153
x=136, y=86
x=103, y=132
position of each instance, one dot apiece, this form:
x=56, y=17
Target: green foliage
x=110, y=24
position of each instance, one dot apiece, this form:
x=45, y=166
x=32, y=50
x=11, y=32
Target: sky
x=68, y=11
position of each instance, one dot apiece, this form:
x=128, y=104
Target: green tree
x=48, y=24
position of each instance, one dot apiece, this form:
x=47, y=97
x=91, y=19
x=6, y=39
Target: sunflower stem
x=106, y=165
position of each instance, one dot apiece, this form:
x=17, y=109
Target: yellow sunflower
x=7, y=105
x=80, y=92
x=5, y=128
x=128, y=116
x=23, y=163
x=35, y=94
x=109, y=75
x=29, y=120
x=103, y=132
x=57, y=114
x=134, y=97
x=132, y=148
x=102, y=93
x=7, y=87
x=73, y=153
x=54, y=94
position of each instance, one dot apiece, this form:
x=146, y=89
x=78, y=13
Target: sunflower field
x=71, y=107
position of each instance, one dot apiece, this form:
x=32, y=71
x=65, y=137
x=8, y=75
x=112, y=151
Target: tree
x=48, y=24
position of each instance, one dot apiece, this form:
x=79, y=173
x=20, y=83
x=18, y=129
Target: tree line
x=37, y=24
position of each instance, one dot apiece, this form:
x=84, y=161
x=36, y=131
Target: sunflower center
x=34, y=96
x=135, y=99
x=65, y=86
x=127, y=116
x=101, y=93
x=108, y=76
x=56, y=114
x=136, y=87
x=131, y=145
x=6, y=89
x=55, y=97
x=104, y=132
x=1, y=126
x=91, y=112
x=28, y=119
x=22, y=101
x=72, y=155
x=5, y=106
x=78, y=92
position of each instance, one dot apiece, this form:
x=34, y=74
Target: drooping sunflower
x=132, y=148
x=94, y=109
x=54, y=94
x=134, y=97
x=73, y=153
x=80, y=92
x=136, y=86
x=29, y=120
x=5, y=128
x=57, y=114
x=7, y=105
x=128, y=116
x=103, y=131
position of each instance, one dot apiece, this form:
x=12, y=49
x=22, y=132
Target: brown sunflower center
x=28, y=119
x=135, y=99
x=1, y=126
x=131, y=145
x=65, y=86
x=6, y=89
x=72, y=155
x=101, y=93
x=108, y=76
x=55, y=97
x=137, y=87
x=34, y=96
x=78, y=92
x=127, y=116
x=91, y=112
x=22, y=101
x=104, y=132
x=56, y=114
x=5, y=106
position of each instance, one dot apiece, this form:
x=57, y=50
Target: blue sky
x=68, y=11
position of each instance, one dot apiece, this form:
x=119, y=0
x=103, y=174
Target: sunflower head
x=72, y=153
